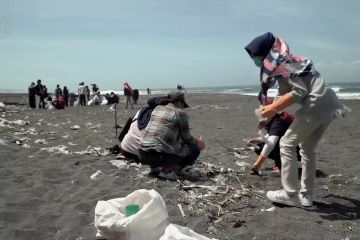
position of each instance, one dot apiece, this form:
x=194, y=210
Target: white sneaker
x=306, y=199
x=280, y=196
x=169, y=175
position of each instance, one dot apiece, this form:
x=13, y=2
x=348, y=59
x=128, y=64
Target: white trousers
x=307, y=135
x=37, y=101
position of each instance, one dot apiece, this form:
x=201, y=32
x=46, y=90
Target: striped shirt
x=167, y=131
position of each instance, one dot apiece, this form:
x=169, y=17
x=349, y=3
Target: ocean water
x=348, y=90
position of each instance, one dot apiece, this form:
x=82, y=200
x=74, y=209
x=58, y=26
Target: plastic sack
x=258, y=115
x=104, y=102
x=148, y=223
x=176, y=232
x=91, y=102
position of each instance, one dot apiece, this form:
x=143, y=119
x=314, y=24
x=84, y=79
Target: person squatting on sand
x=299, y=82
x=275, y=128
x=167, y=142
x=131, y=142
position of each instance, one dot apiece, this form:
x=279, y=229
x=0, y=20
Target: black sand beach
x=47, y=193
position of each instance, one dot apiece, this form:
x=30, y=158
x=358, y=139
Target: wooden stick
x=181, y=210
x=220, y=209
x=115, y=121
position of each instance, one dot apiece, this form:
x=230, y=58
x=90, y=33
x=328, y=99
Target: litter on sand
x=96, y=174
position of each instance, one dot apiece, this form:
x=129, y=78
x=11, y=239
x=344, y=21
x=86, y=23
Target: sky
x=162, y=43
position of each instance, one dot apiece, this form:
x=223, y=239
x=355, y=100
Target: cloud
x=356, y=62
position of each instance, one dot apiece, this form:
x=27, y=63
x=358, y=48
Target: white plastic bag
x=91, y=102
x=176, y=232
x=104, y=102
x=148, y=223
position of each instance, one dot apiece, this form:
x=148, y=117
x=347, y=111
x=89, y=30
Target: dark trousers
x=32, y=101
x=161, y=159
x=82, y=99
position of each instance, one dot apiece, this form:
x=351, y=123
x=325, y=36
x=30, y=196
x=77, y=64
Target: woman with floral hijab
x=299, y=82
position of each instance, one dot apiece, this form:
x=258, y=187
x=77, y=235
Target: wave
x=342, y=90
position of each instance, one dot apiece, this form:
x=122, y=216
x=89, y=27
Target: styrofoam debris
x=119, y=163
x=75, y=127
x=96, y=174
x=41, y=141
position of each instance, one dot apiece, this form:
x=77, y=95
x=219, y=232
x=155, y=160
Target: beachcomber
x=299, y=82
x=167, y=142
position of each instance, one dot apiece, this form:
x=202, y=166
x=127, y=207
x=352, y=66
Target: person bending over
x=299, y=82
x=167, y=142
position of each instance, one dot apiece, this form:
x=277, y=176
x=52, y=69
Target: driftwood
x=181, y=210
x=15, y=103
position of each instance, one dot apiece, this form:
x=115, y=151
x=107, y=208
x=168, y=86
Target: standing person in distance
x=82, y=94
x=128, y=92
x=58, y=91
x=66, y=96
x=32, y=92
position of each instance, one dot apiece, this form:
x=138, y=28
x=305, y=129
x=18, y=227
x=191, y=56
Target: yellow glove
x=282, y=102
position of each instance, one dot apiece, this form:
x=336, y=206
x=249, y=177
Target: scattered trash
x=335, y=175
x=57, y=149
x=218, y=107
x=41, y=141
x=119, y=163
x=240, y=155
x=325, y=188
x=7, y=123
x=96, y=174
x=181, y=210
x=75, y=127
x=26, y=145
x=271, y=209
x=93, y=151
x=242, y=164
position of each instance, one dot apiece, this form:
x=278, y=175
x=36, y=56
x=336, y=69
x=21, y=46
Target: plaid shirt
x=167, y=131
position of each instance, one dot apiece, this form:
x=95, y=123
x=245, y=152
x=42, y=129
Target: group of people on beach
x=159, y=134
x=39, y=97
